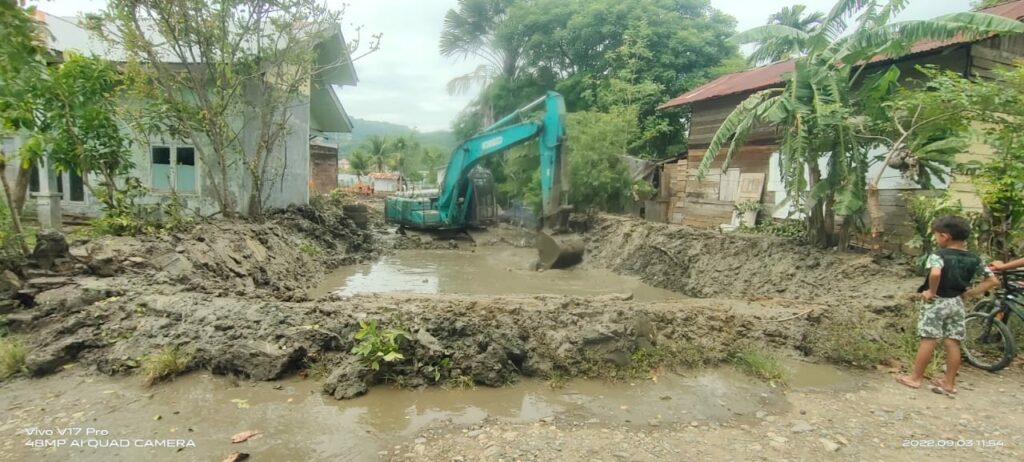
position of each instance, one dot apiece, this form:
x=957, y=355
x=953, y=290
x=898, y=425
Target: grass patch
x=462, y=382
x=12, y=357
x=164, y=364
x=311, y=249
x=855, y=342
x=556, y=380
x=317, y=369
x=760, y=364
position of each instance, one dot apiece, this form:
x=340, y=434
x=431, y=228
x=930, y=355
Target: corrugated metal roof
x=772, y=75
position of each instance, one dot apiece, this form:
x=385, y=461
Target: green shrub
x=376, y=346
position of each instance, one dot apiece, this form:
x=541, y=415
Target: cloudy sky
x=404, y=82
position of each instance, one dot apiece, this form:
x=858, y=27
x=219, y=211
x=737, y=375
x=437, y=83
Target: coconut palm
x=359, y=162
x=379, y=150
x=783, y=47
x=816, y=110
x=472, y=31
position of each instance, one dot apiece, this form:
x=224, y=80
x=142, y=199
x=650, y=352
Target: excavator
x=466, y=195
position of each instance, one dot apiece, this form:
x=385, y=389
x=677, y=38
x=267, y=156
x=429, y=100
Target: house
x=384, y=182
x=753, y=173
x=173, y=166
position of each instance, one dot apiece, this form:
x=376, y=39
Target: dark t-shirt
x=959, y=268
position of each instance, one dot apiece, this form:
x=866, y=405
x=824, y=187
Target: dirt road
x=880, y=421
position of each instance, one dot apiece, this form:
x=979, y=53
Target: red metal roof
x=771, y=75
x=385, y=175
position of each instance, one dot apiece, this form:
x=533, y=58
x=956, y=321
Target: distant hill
x=364, y=129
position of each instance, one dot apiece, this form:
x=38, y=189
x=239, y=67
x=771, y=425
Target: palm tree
x=783, y=47
x=472, y=30
x=816, y=111
x=379, y=150
x=359, y=162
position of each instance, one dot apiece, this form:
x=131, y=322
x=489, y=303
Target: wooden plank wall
x=698, y=204
x=995, y=53
x=709, y=115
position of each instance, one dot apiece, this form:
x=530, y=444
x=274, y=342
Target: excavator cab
x=483, y=205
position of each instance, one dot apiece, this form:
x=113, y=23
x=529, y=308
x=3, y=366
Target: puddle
x=299, y=423
x=811, y=376
x=487, y=271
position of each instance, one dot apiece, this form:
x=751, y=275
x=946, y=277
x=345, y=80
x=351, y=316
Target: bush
x=128, y=217
x=760, y=364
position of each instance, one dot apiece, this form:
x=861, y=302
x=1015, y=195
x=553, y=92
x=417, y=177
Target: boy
x=952, y=268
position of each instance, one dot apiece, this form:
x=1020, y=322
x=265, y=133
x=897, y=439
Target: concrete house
x=753, y=173
x=302, y=165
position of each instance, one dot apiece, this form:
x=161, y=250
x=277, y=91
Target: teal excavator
x=466, y=195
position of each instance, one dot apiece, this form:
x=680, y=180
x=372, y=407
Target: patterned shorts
x=942, y=318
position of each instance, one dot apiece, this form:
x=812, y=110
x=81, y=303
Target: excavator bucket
x=559, y=251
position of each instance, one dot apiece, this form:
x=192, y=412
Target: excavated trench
x=261, y=302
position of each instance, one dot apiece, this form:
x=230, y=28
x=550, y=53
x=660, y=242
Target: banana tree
x=819, y=114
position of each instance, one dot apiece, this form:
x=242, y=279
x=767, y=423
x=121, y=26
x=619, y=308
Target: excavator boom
x=449, y=208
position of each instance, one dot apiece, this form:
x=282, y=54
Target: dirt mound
x=707, y=264
x=484, y=340
x=284, y=255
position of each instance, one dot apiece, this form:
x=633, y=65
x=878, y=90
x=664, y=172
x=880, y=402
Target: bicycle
x=989, y=343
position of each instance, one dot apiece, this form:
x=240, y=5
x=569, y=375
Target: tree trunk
x=21, y=189
x=15, y=212
x=877, y=217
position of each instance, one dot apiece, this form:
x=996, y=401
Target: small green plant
x=440, y=368
x=376, y=346
x=643, y=190
x=311, y=249
x=788, y=228
x=164, y=364
x=760, y=364
x=317, y=369
x=749, y=206
x=556, y=380
x=12, y=357
x=644, y=360
x=462, y=382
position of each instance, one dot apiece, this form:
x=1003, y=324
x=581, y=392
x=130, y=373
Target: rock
x=50, y=246
x=474, y=433
x=250, y=358
x=49, y=282
x=8, y=306
x=10, y=283
x=548, y=419
x=103, y=267
x=801, y=426
x=47, y=359
x=420, y=441
x=348, y=380
x=760, y=414
x=694, y=424
x=429, y=341
x=829, y=445
x=136, y=260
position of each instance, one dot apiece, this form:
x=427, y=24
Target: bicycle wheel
x=988, y=343
x=985, y=306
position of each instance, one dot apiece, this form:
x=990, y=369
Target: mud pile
x=483, y=340
x=708, y=264
x=284, y=255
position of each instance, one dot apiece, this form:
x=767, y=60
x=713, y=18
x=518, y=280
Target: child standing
x=951, y=269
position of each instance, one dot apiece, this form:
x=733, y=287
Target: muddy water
x=484, y=271
x=299, y=423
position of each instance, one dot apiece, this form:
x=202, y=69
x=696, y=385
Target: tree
x=577, y=46
x=818, y=112
x=359, y=162
x=473, y=30
x=85, y=135
x=433, y=159
x=378, y=149
x=225, y=74
x=781, y=47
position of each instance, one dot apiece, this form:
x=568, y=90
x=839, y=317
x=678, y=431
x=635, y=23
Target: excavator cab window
x=483, y=207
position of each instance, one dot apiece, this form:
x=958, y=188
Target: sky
x=404, y=82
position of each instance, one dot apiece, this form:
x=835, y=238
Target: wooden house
x=753, y=173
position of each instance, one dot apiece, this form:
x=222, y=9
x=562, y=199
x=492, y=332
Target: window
x=173, y=168
x=33, y=178
x=76, y=189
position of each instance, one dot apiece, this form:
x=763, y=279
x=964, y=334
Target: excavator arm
x=448, y=209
